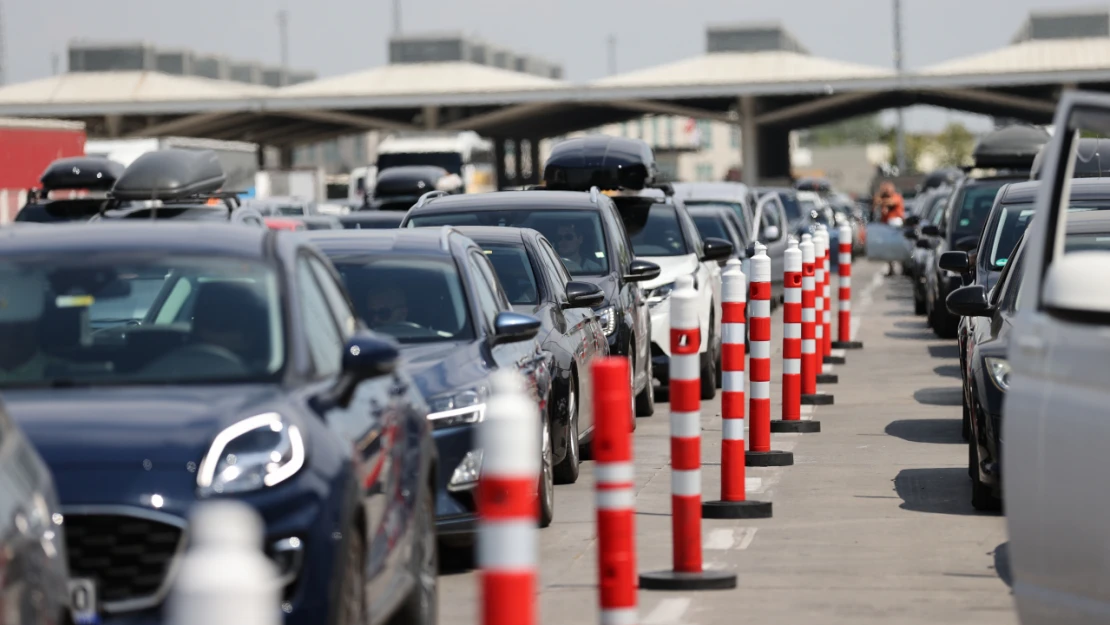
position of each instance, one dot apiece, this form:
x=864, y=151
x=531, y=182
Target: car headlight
x=467, y=473
x=999, y=370
x=255, y=453
x=608, y=318
x=659, y=293
x=457, y=409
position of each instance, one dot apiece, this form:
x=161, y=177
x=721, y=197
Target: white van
x=463, y=153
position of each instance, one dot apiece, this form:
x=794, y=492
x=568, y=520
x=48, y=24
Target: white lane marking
x=668, y=612
x=720, y=539
x=752, y=483
x=747, y=535
x=855, y=327
x=839, y=353
x=808, y=409
x=765, y=484
x=827, y=368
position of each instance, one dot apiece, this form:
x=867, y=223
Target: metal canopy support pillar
x=518, y=168
x=749, y=141
x=537, y=166
x=431, y=117
x=286, y=156
x=499, y=162
x=113, y=125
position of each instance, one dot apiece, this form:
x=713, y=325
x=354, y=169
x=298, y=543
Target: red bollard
x=844, y=298
x=687, y=573
x=734, y=503
x=791, y=421
x=616, y=499
x=829, y=358
x=760, y=453
x=821, y=305
x=507, y=502
x=811, y=360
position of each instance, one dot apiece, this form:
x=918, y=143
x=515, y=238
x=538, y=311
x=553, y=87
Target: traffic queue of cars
x=169, y=344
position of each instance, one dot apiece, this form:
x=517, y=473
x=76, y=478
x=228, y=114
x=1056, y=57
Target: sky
x=334, y=37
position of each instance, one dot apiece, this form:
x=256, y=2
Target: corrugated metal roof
x=1032, y=57
x=81, y=87
x=721, y=68
x=422, y=79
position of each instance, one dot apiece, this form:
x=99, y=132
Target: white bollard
x=225, y=578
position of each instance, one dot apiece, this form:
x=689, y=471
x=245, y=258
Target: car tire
x=645, y=399
x=352, y=591
x=422, y=605
x=708, y=375
x=566, y=472
x=918, y=302
x=982, y=499
x=547, y=478
x=965, y=427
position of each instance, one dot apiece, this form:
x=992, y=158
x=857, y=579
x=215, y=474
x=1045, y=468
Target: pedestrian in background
x=891, y=207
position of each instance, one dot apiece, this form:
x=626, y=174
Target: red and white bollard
x=844, y=297
x=791, y=420
x=616, y=499
x=821, y=305
x=829, y=357
x=760, y=453
x=811, y=360
x=508, y=506
x=734, y=503
x=685, y=387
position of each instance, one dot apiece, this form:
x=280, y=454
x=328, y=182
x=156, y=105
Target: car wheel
x=946, y=325
x=566, y=472
x=352, y=593
x=547, y=479
x=422, y=605
x=982, y=499
x=644, y=405
x=708, y=374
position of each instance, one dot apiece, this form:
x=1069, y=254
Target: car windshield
x=710, y=225
x=1011, y=225
x=975, y=208
x=451, y=161
x=736, y=207
x=371, y=224
x=793, y=208
x=143, y=319
x=660, y=234
x=577, y=234
x=936, y=210
x=413, y=299
x=807, y=207
x=514, y=271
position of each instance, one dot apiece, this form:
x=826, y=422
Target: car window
x=735, y=208
x=711, y=225
x=621, y=240
x=337, y=300
x=494, y=282
x=514, y=271
x=791, y=205
x=660, y=233
x=1011, y=225
x=974, y=208
x=484, y=291
x=325, y=343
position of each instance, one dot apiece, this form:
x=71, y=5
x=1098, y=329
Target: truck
x=239, y=159
x=27, y=147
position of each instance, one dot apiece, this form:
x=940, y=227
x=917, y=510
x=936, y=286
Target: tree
x=854, y=131
x=916, y=146
x=956, y=144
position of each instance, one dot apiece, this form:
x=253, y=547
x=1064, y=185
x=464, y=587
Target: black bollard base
x=817, y=399
x=673, y=580
x=748, y=509
x=828, y=378
x=783, y=426
x=847, y=345
x=773, y=458
x=835, y=360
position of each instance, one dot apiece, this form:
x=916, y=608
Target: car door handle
x=1030, y=345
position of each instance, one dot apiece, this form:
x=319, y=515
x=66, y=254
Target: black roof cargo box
x=172, y=174
x=81, y=172
x=398, y=188
x=1012, y=147
x=1092, y=160
x=608, y=163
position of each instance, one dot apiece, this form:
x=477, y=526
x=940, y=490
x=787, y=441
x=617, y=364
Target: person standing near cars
x=891, y=207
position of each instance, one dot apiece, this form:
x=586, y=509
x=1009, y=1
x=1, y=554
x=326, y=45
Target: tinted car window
x=661, y=234
x=793, y=208
x=974, y=207
x=451, y=161
x=556, y=262
x=324, y=340
x=413, y=299
x=736, y=208
x=336, y=299
x=577, y=235
x=710, y=226
x=484, y=290
x=514, y=270
x=1011, y=225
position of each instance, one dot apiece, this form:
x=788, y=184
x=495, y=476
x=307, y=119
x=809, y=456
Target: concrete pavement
x=873, y=523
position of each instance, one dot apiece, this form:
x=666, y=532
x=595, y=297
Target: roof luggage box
x=1011, y=148
x=399, y=188
x=171, y=175
x=608, y=163
x=91, y=173
x=1092, y=160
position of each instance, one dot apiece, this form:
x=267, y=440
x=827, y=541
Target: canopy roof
x=1067, y=59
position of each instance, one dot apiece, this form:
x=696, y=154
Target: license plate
x=82, y=602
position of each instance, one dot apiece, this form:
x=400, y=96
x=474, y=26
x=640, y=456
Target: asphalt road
x=873, y=523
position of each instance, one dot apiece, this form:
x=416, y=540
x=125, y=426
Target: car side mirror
x=511, y=327
x=924, y=244
x=642, y=271
x=910, y=234
x=970, y=301
x=956, y=262
x=771, y=233
x=930, y=230
x=913, y=220
x=365, y=356
x=716, y=249
x=583, y=295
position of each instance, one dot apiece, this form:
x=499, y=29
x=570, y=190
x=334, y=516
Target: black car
x=538, y=284
x=720, y=222
x=435, y=291
x=593, y=244
x=54, y=202
x=922, y=228
x=159, y=365
x=987, y=374
x=33, y=571
x=372, y=220
x=398, y=188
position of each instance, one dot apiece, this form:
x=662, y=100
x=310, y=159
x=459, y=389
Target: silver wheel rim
x=429, y=562
x=572, y=411
x=548, y=470
x=632, y=385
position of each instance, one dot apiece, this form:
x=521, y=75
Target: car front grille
x=128, y=557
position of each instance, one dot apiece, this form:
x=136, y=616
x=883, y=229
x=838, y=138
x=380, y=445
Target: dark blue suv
x=157, y=365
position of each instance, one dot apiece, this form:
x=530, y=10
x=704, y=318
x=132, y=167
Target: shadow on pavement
x=1002, y=563
x=948, y=371
x=943, y=431
x=940, y=396
x=920, y=335
x=939, y=491
x=456, y=560
x=944, y=351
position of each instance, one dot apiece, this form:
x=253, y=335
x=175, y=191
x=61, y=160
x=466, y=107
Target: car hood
x=440, y=368
x=132, y=426
x=670, y=268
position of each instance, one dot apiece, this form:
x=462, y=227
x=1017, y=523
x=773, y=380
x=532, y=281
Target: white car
x=1056, y=414
x=662, y=232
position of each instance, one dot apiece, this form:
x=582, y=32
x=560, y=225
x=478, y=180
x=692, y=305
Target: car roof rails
x=445, y=233
x=430, y=195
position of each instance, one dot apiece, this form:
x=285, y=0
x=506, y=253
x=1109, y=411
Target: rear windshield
x=661, y=234
x=793, y=209
x=451, y=161
x=736, y=207
x=975, y=207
